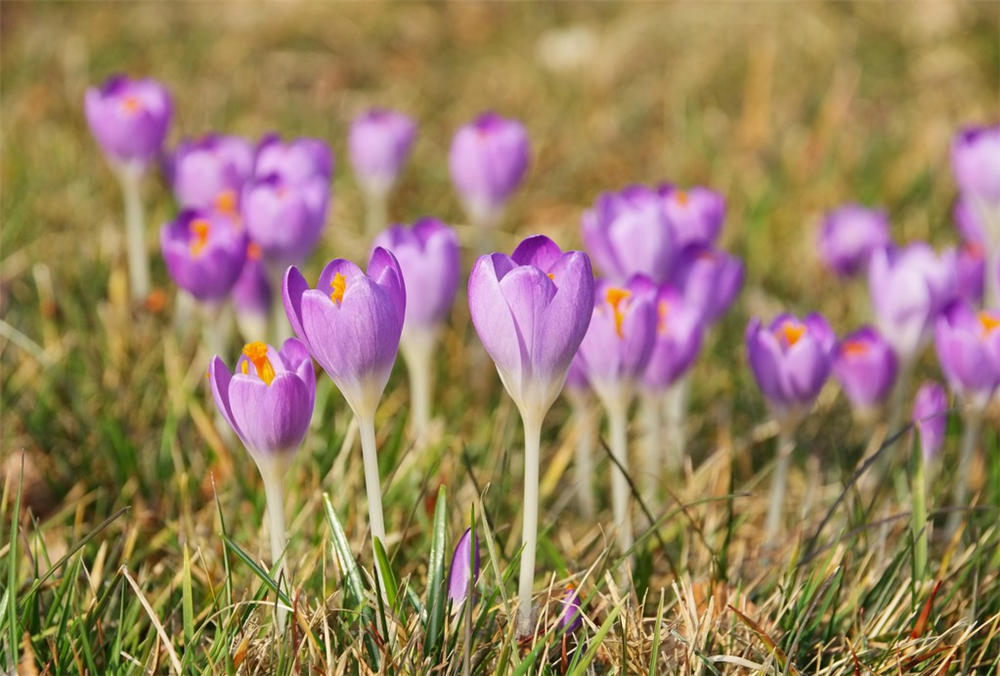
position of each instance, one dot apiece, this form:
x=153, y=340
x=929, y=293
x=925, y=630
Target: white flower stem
x=418, y=353
x=272, y=471
x=216, y=322
x=989, y=217
x=786, y=444
x=281, y=329
x=972, y=420
x=366, y=425
x=652, y=444
x=529, y=530
x=675, y=410
x=919, y=524
x=583, y=456
x=617, y=408
x=130, y=178
x=376, y=212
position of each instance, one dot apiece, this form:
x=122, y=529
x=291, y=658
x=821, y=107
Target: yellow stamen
x=552, y=277
x=661, y=312
x=225, y=202
x=199, y=231
x=791, y=332
x=855, y=348
x=989, y=320
x=257, y=354
x=614, y=297
x=339, y=285
x=682, y=197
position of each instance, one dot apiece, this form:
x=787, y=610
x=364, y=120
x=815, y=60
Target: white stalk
x=529, y=532
x=652, y=445
x=617, y=409
x=272, y=471
x=366, y=424
x=281, y=330
x=786, y=444
x=417, y=347
x=376, y=211
x=675, y=410
x=130, y=177
x=990, y=219
x=216, y=324
x=583, y=455
x=973, y=418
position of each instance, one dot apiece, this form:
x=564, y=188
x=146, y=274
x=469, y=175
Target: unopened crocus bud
x=285, y=218
x=129, y=118
x=628, y=233
x=428, y=257
x=909, y=287
x=679, y=333
x=695, y=214
x=251, y=296
x=487, y=160
x=865, y=366
x=571, y=616
x=930, y=415
x=790, y=359
x=709, y=279
x=209, y=173
x=295, y=161
x=464, y=570
x=531, y=310
x=379, y=144
x=968, y=349
x=268, y=398
x=849, y=235
x=975, y=160
x=204, y=252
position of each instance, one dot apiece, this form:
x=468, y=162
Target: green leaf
x=387, y=576
x=262, y=574
x=435, y=582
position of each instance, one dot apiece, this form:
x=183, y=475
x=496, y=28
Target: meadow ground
x=130, y=534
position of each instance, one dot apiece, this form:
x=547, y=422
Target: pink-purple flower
x=129, y=118
x=710, y=279
x=865, y=366
x=695, y=214
x=209, y=172
x=204, y=252
x=678, y=337
x=297, y=161
x=930, y=415
x=850, y=234
x=464, y=569
x=968, y=349
x=379, y=144
x=284, y=217
x=975, y=160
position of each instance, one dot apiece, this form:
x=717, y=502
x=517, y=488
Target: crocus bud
x=930, y=415
x=351, y=322
x=488, y=159
x=619, y=341
x=865, y=366
x=297, y=161
x=252, y=295
x=268, y=399
x=209, y=173
x=909, y=287
x=790, y=360
x=975, y=160
x=571, y=616
x=677, y=342
x=464, y=570
x=710, y=280
x=285, y=218
x=429, y=260
x=379, y=144
x=968, y=349
x=204, y=252
x=129, y=118
x=695, y=215
x=531, y=310
x=849, y=235
x=628, y=233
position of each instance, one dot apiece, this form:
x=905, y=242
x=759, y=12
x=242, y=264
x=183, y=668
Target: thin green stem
x=529, y=530
x=918, y=498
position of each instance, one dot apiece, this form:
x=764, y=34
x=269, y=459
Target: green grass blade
x=388, y=578
x=435, y=582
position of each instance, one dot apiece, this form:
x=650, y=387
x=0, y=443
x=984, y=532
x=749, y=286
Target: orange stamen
x=855, y=348
x=614, y=297
x=552, y=277
x=131, y=105
x=253, y=251
x=989, y=320
x=256, y=353
x=682, y=197
x=339, y=285
x=792, y=332
x=199, y=231
x=661, y=314
x=225, y=202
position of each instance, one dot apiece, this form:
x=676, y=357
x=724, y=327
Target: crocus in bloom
x=968, y=220
x=695, y=214
x=909, y=287
x=970, y=271
x=251, y=296
x=930, y=416
x=968, y=349
x=865, y=367
x=531, y=310
x=849, y=235
x=488, y=159
x=710, y=280
x=379, y=144
x=285, y=218
x=464, y=570
x=130, y=118
x=571, y=616
x=629, y=233
x=209, y=173
x=351, y=322
x=204, y=252
x=428, y=257
x=268, y=401
x=975, y=161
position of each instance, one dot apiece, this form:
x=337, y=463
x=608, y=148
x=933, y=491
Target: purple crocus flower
x=710, y=280
x=571, y=616
x=628, y=233
x=204, y=252
x=351, y=323
x=865, y=366
x=129, y=118
x=930, y=415
x=678, y=338
x=791, y=360
x=285, y=218
x=970, y=270
x=251, y=295
x=968, y=349
x=379, y=144
x=487, y=160
x=850, y=234
x=968, y=221
x=909, y=287
x=695, y=215
x=209, y=173
x=268, y=400
x=531, y=310
x=464, y=569
x=975, y=160
x=429, y=259
x=296, y=161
